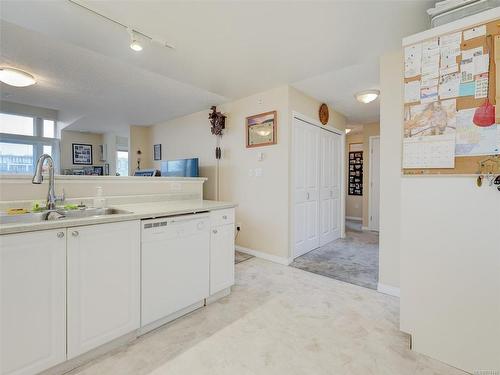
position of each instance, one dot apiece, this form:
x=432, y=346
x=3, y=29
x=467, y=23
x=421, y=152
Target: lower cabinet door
x=32, y=301
x=103, y=284
x=221, y=258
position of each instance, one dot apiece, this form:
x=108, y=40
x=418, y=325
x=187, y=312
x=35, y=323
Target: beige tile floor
x=278, y=320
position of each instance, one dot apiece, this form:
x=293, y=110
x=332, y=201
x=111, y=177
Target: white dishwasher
x=175, y=264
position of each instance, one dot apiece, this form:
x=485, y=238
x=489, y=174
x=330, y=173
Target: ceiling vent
x=452, y=10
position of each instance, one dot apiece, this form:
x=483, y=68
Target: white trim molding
x=265, y=256
x=354, y=218
x=388, y=289
x=370, y=182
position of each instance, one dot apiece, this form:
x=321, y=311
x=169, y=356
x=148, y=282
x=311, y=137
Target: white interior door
x=306, y=187
x=374, y=183
x=330, y=159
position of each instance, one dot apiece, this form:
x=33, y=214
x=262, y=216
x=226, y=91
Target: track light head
x=135, y=44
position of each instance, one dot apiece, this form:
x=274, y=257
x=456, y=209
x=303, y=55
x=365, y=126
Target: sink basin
x=37, y=217
x=89, y=212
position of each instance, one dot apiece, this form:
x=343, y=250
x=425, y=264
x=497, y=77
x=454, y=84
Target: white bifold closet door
x=329, y=201
x=306, y=187
x=316, y=158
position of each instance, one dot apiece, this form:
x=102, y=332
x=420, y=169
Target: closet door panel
x=330, y=187
x=305, y=159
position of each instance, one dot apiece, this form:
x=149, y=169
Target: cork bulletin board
x=489, y=41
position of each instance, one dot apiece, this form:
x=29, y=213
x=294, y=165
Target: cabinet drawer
x=222, y=217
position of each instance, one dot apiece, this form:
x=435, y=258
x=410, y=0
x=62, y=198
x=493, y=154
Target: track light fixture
x=137, y=37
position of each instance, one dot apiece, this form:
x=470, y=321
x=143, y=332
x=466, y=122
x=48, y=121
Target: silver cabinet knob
x=60, y=234
x=307, y=195
x=224, y=217
x=215, y=231
x=75, y=233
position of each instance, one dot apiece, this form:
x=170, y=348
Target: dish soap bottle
x=99, y=200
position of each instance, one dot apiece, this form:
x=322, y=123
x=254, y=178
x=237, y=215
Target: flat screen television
x=180, y=168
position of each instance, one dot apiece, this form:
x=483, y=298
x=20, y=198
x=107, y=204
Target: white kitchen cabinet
x=103, y=284
x=221, y=250
x=33, y=301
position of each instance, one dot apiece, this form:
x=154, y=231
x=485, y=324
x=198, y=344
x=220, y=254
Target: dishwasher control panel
x=176, y=226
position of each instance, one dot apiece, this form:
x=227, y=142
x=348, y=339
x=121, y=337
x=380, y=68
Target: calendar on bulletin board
x=450, y=88
x=355, y=173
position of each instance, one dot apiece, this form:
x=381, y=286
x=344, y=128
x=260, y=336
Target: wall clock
x=323, y=114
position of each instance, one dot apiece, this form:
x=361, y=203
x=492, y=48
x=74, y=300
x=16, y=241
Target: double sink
x=37, y=217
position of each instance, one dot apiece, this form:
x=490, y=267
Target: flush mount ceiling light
x=367, y=96
x=16, y=77
x=134, y=41
x=347, y=131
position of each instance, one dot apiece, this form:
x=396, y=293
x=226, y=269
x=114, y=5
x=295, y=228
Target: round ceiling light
x=16, y=77
x=367, y=96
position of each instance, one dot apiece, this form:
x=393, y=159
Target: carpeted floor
x=353, y=259
x=241, y=257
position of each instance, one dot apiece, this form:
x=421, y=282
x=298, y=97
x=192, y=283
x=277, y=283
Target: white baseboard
x=354, y=218
x=387, y=289
x=266, y=256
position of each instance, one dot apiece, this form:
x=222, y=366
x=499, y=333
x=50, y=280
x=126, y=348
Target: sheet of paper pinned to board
x=475, y=32
x=430, y=57
x=449, y=48
x=481, y=86
x=413, y=60
x=429, y=135
x=473, y=140
x=449, y=86
x=481, y=63
x=412, y=92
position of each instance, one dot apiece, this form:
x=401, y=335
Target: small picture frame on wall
x=82, y=154
x=157, y=152
x=261, y=129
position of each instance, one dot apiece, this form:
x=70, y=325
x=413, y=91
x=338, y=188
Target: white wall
x=20, y=188
x=189, y=137
x=391, y=130
x=263, y=201
x=69, y=137
x=450, y=270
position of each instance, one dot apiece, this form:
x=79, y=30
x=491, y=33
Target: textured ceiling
x=224, y=51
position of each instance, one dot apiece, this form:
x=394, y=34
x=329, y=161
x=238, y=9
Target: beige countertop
x=138, y=211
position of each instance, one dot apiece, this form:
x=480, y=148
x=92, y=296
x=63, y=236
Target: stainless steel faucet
x=38, y=178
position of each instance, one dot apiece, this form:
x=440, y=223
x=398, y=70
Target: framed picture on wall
x=157, y=152
x=99, y=170
x=261, y=129
x=355, y=173
x=82, y=154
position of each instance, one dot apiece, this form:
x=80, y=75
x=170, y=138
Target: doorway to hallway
x=353, y=259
